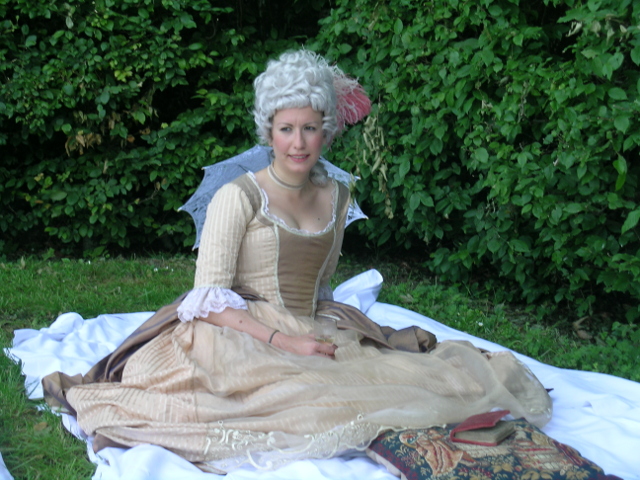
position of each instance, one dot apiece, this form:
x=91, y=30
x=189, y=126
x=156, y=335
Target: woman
x=241, y=378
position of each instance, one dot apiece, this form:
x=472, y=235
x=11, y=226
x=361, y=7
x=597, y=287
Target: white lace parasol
x=252, y=160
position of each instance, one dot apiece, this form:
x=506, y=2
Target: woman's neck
x=278, y=180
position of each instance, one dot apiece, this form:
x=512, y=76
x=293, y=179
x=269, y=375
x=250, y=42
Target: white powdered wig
x=296, y=80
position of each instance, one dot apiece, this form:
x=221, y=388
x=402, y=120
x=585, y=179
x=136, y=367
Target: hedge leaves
x=518, y=120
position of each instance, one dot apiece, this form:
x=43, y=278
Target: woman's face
x=297, y=139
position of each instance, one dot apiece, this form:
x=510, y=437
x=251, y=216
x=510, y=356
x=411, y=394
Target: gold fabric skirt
x=218, y=396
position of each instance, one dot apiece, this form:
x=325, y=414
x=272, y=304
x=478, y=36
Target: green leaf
x=621, y=167
x=345, y=48
x=465, y=70
x=631, y=221
x=187, y=20
x=487, y=56
x=518, y=39
x=59, y=195
x=435, y=146
x=616, y=60
x=54, y=38
x=522, y=159
x=103, y=98
x=384, y=237
x=414, y=201
x=482, y=155
x=139, y=116
x=582, y=170
x=440, y=131
x=73, y=197
x=382, y=53
x=621, y=122
x=635, y=55
x=520, y=246
x=617, y=93
x=631, y=141
x=405, y=166
x=495, y=10
x=398, y=26
x=426, y=200
x=573, y=208
x=494, y=245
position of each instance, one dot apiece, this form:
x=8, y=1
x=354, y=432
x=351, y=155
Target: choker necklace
x=278, y=181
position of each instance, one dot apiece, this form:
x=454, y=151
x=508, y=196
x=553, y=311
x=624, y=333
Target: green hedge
x=504, y=139
x=109, y=109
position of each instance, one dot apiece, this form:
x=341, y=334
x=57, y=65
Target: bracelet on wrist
x=271, y=337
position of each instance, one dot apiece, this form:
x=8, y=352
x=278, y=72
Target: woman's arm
x=243, y=321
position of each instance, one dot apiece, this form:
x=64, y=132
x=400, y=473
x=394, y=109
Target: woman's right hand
x=303, y=345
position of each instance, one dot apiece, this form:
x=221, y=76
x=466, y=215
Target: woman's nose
x=298, y=140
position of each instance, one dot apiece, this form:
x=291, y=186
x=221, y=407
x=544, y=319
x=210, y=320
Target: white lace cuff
x=201, y=301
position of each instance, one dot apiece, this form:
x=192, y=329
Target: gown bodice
x=283, y=265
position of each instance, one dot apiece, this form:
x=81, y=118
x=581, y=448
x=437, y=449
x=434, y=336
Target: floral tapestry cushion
x=527, y=453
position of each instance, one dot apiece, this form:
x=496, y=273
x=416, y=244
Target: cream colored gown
x=221, y=398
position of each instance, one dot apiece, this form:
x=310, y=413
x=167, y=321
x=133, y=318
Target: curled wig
x=296, y=80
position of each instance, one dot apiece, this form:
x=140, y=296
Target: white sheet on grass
x=598, y=415
x=4, y=473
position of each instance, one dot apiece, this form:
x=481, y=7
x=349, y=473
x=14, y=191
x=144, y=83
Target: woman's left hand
x=303, y=345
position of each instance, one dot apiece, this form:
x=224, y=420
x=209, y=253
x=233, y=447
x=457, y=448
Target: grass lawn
x=33, y=292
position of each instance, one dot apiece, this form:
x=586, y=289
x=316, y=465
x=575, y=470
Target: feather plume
x=353, y=103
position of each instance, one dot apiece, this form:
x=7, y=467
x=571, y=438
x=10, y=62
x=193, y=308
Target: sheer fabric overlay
x=217, y=396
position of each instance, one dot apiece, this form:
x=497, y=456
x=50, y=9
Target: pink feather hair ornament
x=353, y=104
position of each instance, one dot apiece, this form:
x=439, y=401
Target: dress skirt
x=219, y=397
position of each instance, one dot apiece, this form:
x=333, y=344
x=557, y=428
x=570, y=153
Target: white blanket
x=598, y=415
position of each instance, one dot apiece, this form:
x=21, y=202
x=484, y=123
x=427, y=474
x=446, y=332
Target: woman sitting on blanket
x=240, y=378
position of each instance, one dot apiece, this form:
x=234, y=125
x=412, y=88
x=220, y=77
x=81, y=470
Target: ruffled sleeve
x=199, y=302
x=228, y=215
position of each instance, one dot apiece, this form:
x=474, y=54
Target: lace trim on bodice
x=201, y=301
x=283, y=224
